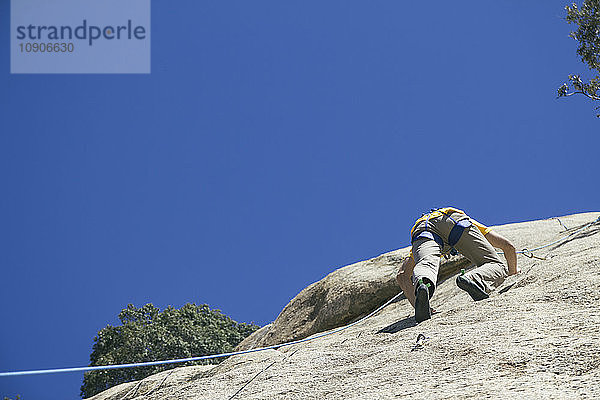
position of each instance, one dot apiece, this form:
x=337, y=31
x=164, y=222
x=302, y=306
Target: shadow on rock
x=407, y=322
x=580, y=235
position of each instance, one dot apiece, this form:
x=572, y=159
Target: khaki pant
x=490, y=271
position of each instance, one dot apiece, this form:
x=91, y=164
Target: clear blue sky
x=273, y=143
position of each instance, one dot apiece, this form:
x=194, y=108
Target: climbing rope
x=526, y=252
x=560, y=222
x=529, y=252
x=182, y=360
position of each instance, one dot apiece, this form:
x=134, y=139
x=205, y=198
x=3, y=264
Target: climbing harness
x=453, y=237
x=457, y=230
x=429, y=235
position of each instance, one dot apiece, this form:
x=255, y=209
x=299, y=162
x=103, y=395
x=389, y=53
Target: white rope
x=181, y=360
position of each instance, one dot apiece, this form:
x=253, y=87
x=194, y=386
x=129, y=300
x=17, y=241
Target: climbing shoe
x=471, y=287
x=422, y=309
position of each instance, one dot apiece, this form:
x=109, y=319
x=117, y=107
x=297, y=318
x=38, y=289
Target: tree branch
x=583, y=93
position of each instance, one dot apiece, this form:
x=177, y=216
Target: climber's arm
x=507, y=247
x=404, y=279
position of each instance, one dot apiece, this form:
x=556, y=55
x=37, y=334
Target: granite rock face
x=342, y=297
x=535, y=337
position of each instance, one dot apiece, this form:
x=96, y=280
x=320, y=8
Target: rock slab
x=535, y=337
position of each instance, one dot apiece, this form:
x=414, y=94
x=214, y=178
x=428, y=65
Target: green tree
x=587, y=18
x=147, y=334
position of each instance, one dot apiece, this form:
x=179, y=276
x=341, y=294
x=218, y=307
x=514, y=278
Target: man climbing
x=440, y=232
